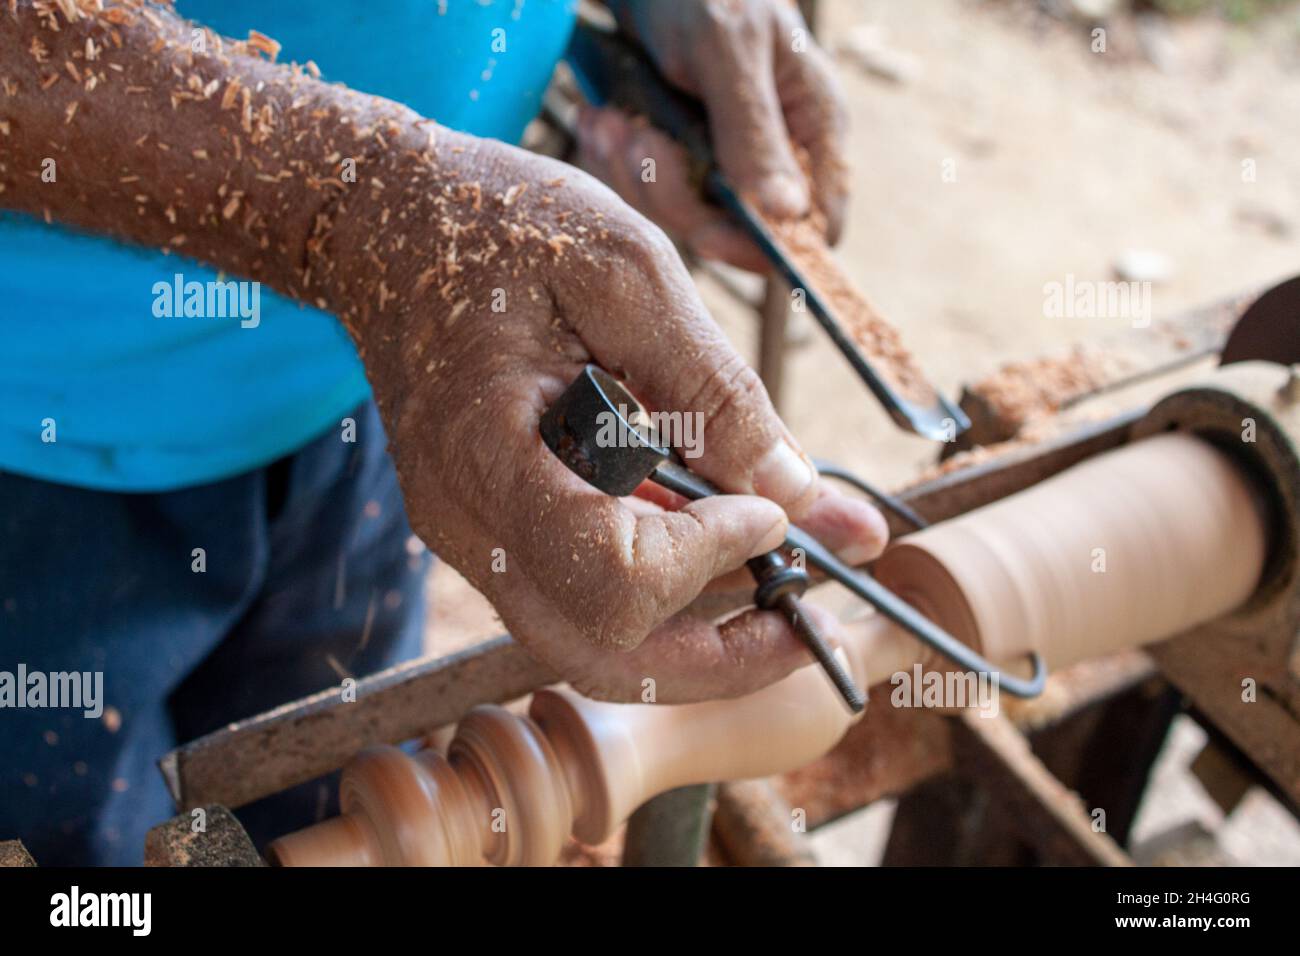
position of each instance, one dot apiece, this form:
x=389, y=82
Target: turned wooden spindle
x=1121, y=550
x=1130, y=547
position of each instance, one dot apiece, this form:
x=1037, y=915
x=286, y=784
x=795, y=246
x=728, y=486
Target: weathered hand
x=476, y=280
x=769, y=91
x=547, y=270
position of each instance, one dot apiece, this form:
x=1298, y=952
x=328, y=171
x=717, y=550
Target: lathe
x=1176, y=527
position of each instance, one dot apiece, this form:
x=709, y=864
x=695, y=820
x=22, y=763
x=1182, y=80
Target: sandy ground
x=1058, y=160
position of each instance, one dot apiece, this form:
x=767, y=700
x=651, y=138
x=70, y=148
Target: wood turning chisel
x=612, y=70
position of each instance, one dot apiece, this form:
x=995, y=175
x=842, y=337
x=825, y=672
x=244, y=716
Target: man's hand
x=769, y=92
x=549, y=271
x=477, y=280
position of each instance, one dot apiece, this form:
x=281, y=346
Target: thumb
x=639, y=579
x=703, y=540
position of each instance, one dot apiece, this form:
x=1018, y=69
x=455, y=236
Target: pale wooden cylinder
x=1124, y=549
x=1183, y=542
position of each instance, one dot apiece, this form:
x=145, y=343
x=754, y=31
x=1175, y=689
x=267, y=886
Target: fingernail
x=858, y=553
x=783, y=475
x=783, y=196
x=774, y=538
x=868, y=547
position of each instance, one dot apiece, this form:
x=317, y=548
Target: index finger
x=667, y=348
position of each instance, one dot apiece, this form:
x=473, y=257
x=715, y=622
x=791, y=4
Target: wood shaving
x=512, y=194
x=803, y=242
x=69, y=10
x=263, y=44
x=231, y=95
x=1020, y=392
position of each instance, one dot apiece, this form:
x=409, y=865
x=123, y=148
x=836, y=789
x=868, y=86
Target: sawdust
x=803, y=242
x=1034, y=433
x=1020, y=392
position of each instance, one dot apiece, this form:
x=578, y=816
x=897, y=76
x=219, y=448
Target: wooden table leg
x=774, y=316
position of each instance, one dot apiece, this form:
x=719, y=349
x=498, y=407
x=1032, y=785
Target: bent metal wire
x=572, y=429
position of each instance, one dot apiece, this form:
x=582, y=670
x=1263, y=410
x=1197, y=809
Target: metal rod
x=676, y=477
x=891, y=503
x=792, y=608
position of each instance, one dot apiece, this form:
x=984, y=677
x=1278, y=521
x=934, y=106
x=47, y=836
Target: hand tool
x=616, y=460
x=1269, y=329
x=613, y=70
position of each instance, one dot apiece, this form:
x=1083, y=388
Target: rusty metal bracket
x=307, y=738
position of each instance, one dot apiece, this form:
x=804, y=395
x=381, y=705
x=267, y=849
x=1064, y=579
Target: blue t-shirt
x=98, y=391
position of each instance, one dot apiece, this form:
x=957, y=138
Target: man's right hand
x=477, y=280
x=552, y=271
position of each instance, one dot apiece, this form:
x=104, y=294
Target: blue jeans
x=309, y=574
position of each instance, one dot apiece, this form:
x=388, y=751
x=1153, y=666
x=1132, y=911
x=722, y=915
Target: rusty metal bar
x=894, y=749
x=302, y=740
x=966, y=489
x=13, y=853
x=215, y=839
x=1245, y=689
x=1133, y=356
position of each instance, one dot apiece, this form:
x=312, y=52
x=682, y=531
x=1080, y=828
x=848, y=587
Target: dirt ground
x=1058, y=160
